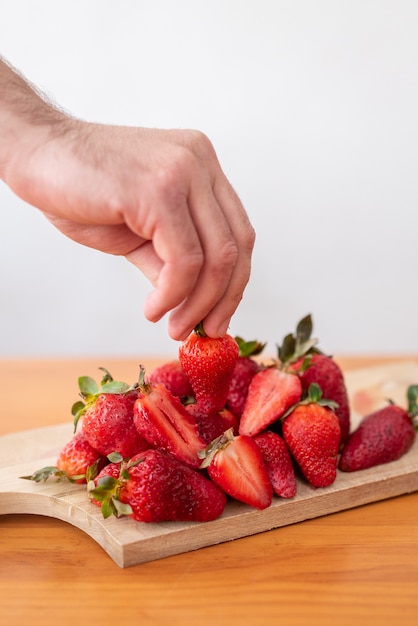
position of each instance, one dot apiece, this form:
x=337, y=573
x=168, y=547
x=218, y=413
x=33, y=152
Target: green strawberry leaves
x=314, y=396
x=297, y=345
x=108, y=488
x=44, y=473
x=412, y=398
x=90, y=390
x=249, y=348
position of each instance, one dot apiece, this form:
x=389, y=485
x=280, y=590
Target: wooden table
x=359, y=566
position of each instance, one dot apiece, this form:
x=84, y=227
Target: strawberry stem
x=199, y=330
x=221, y=442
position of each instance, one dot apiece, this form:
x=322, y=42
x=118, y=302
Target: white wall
x=312, y=107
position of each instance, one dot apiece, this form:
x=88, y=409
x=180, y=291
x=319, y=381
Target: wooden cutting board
x=129, y=543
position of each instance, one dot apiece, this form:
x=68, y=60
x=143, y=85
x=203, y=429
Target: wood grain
x=130, y=543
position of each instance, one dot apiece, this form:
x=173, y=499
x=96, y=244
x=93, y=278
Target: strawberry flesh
x=164, y=422
x=238, y=468
x=271, y=393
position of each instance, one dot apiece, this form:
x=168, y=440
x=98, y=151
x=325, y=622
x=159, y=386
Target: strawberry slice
x=162, y=420
x=237, y=466
x=271, y=393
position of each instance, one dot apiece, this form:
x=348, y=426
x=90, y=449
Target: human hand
x=157, y=197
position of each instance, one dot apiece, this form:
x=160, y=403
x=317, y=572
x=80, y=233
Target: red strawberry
x=244, y=371
x=172, y=376
x=77, y=456
x=213, y=425
x=312, y=433
x=162, y=420
x=237, y=466
x=155, y=487
x=271, y=393
x=298, y=353
x=279, y=463
x=107, y=413
x=209, y=364
x=382, y=436
x=324, y=371
x=77, y=462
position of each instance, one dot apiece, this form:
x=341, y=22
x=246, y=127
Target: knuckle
x=248, y=238
x=200, y=145
x=192, y=262
x=227, y=256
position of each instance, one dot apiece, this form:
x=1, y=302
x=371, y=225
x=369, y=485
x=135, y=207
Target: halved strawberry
x=162, y=420
x=237, y=466
x=271, y=393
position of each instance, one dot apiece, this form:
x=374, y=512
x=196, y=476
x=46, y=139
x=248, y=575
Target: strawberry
x=324, y=371
x=312, y=433
x=237, y=466
x=77, y=456
x=279, y=463
x=76, y=462
x=244, y=371
x=298, y=352
x=209, y=364
x=213, y=425
x=107, y=416
x=161, y=419
x=107, y=412
x=382, y=436
x=271, y=393
x=172, y=376
x=154, y=486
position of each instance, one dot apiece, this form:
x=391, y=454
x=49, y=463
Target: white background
x=313, y=109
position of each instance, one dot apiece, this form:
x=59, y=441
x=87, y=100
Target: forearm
x=26, y=118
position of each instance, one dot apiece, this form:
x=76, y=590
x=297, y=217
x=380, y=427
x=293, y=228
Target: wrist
x=27, y=121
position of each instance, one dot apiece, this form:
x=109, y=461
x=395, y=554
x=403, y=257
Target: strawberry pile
x=218, y=424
